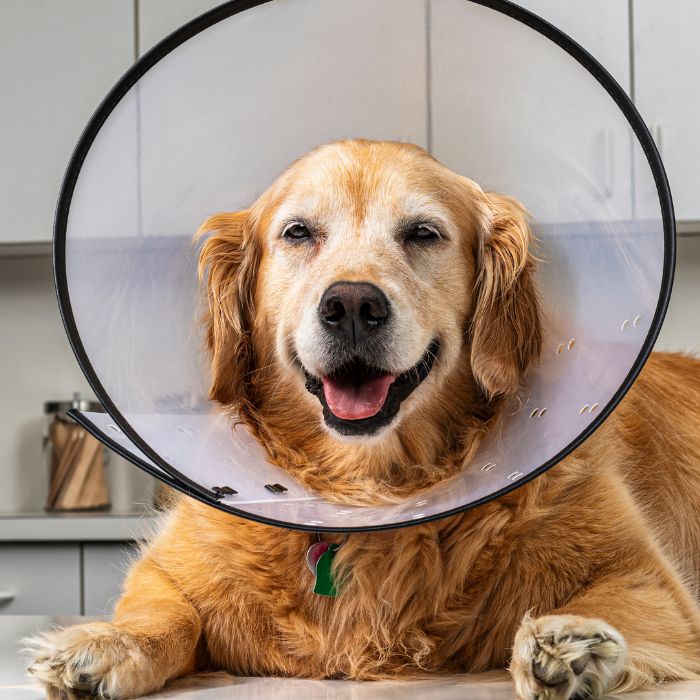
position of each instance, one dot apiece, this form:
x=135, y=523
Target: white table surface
x=14, y=684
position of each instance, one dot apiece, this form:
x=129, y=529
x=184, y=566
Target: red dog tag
x=313, y=554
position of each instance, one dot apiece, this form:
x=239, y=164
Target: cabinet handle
x=7, y=597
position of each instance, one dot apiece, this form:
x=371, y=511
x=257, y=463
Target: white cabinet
x=104, y=568
x=600, y=26
x=511, y=110
x=57, y=62
x=59, y=59
x=67, y=578
x=667, y=91
x=40, y=579
x=259, y=89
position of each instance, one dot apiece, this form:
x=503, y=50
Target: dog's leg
x=619, y=634
x=153, y=638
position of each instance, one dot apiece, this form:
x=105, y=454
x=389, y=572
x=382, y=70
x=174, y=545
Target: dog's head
x=368, y=294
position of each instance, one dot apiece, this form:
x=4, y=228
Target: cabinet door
x=38, y=579
x=511, y=110
x=260, y=89
x=57, y=62
x=105, y=566
x=600, y=26
x=667, y=91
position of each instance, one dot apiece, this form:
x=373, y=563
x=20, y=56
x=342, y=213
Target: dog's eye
x=296, y=232
x=421, y=233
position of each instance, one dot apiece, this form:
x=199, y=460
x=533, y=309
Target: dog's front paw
x=563, y=657
x=97, y=659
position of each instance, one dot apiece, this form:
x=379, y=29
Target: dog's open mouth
x=359, y=399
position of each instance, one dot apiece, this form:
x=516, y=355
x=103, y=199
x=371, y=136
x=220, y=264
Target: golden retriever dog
x=369, y=316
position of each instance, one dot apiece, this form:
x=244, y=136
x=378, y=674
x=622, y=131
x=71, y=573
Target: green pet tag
x=325, y=585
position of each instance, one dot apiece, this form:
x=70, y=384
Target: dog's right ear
x=228, y=262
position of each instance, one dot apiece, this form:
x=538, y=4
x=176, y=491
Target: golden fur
x=582, y=581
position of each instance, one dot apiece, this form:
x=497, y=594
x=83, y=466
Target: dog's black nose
x=353, y=310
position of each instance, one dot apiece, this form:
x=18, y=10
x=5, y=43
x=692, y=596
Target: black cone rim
x=233, y=7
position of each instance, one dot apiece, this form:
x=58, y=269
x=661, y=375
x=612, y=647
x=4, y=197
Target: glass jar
x=74, y=461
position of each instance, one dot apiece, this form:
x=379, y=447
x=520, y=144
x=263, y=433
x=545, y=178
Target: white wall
x=681, y=329
x=37, y=365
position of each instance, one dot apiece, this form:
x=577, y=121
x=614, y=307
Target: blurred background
x=66, y=534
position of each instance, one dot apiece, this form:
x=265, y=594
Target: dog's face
x=364, y=282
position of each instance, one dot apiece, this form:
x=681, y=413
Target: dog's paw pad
x=562, y=657
x=96, y=659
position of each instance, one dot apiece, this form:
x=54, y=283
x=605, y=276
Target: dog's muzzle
x=358, y=395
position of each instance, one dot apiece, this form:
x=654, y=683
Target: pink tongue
x=352, y=402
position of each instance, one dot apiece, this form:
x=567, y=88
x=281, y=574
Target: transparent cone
x=207, y=121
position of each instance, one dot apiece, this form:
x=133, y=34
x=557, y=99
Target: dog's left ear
x=228, y=262
x=505, y=330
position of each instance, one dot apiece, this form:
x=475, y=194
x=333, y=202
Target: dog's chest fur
x=406, y=603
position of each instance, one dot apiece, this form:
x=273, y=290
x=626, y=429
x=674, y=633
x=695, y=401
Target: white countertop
x=76, y=527
x=14, y=685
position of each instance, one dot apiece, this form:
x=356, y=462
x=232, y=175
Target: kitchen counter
x=14, y=684
x=95, y=526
